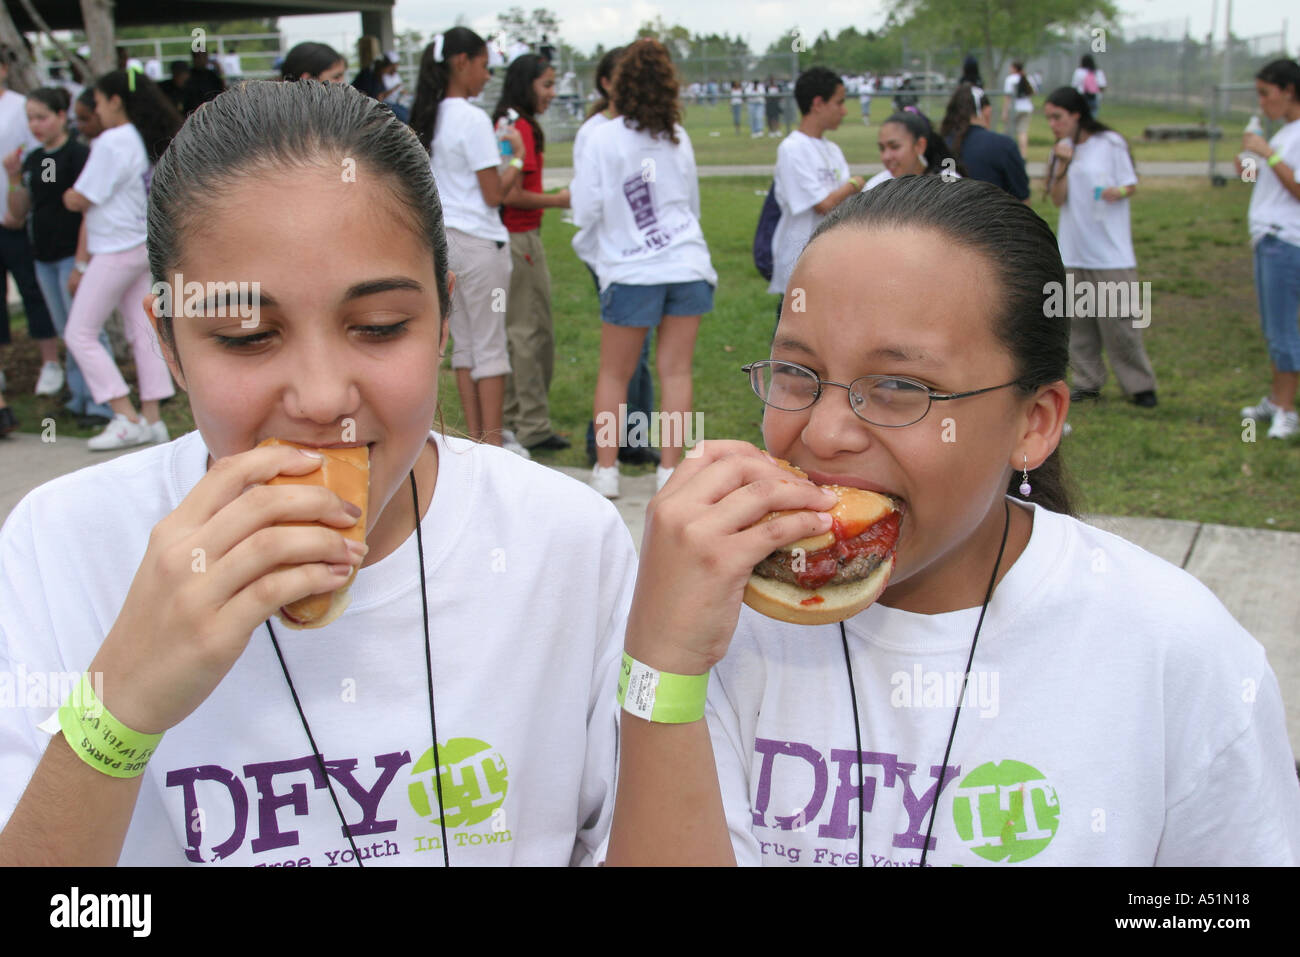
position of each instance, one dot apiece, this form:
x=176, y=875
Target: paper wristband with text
x=661, y=696
x=101, y=740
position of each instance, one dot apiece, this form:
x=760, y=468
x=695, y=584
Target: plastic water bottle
x=1254, y=126
x=503, y=125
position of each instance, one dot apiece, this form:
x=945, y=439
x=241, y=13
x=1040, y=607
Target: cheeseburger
x=832, y=576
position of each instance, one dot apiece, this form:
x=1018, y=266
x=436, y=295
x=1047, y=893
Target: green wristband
x=1275, y=159
x=661, y=696
x=101, y=740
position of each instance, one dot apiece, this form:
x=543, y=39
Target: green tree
x=1001, y=29
x=529, y=27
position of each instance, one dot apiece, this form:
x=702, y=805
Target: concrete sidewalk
x=1252, y=571
x=554, y=178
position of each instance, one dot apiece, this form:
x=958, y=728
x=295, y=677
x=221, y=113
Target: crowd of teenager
x=579, y=704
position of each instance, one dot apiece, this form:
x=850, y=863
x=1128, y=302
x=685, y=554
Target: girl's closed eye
x=373, y=333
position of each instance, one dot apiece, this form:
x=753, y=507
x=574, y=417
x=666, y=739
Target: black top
x=994, y=158
x=51, y=226
x=203, y=85
x=175, y=94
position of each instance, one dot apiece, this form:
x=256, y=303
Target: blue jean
x=755, y=118
x=52, y=277
x=1277, y=283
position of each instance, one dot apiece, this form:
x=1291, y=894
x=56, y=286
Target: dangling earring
x=1024, y=480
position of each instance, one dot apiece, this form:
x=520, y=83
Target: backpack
x=767, y=220
x=1090, y=82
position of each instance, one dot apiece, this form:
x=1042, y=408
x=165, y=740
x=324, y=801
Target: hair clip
x=131, y=71
x=437, y=48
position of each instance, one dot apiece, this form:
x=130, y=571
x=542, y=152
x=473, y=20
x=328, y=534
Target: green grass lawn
x=1185, y=459
x=859, y=141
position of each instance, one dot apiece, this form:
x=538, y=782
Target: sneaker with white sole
x=511, y=444
x=1262, y=412
x=662, y=475
x=50, y=381
x=605, y=481
x=1285, y=425
x=159, y=431
x=121, y=433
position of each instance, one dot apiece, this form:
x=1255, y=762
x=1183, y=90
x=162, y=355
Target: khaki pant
x=1090, y=335
x=531, y=340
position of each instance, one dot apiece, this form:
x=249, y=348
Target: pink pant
x=121, y=280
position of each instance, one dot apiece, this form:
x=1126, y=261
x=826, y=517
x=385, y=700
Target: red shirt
x=522, y=220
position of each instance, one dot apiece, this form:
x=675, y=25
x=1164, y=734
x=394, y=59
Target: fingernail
x=824, y=519
x=358, y=549
x=353, y=510
x=341, y=569
x=310, y=454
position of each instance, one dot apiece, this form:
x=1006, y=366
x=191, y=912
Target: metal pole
x=1227, y=51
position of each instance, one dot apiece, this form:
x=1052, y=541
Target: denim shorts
x=643, y=306
x=1277, y=284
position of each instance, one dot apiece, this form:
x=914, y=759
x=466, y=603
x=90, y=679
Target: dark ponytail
x=1024, y=87
x=435, y=74
x=1021, y=252
x=147, y=108
x=962, y=108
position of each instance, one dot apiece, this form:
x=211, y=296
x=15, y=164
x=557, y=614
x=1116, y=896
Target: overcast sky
x=585, y=23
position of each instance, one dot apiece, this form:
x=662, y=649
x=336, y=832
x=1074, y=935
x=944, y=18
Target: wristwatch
x=80, y=266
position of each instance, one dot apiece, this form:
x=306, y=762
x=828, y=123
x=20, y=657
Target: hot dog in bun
x=346, y=472
x=832, y=576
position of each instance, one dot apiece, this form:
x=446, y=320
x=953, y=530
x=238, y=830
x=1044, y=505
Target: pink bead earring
x=1024, y=480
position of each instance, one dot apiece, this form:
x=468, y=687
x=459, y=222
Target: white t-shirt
x=876, y=180
x=641, y=195
x=530, y=576
x=584, y=240
x=116, y=181
x=807, y=171
x=1274, y=211
x=1023, y=104
x=14, y=131
x=1093, y=233
x=1116, y=715
x=463, y=144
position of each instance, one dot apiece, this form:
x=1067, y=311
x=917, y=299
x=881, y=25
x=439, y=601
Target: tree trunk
x=79, y=66
x=97, y=15
x=22, y=71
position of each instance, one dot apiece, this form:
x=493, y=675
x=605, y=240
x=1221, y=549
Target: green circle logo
x=1005, y=812
x=473, y=778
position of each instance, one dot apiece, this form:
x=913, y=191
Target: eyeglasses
x=889, y=401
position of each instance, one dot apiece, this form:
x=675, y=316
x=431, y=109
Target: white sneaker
x=511, y=444
x=662, y=475
x=159, y=431
x=1285, y=425
x=50, y=381
x=605, y=481
x=1262, y=412
x=121, y=433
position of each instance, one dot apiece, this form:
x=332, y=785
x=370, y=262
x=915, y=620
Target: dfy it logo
x=1006, y=812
